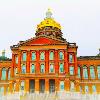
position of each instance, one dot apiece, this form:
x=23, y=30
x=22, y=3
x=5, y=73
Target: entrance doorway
x=32, y=86
x=41, y=85
x=51, y=85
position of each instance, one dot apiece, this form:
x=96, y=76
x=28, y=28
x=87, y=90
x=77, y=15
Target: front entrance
x=51, y=85
x=41, y=85
x=32, y=86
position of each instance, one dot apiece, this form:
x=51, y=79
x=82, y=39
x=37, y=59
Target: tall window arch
x=61, y=85
x=72, y=86
x=85, y=72
x=3, y=74
x=23, y=69
x=22, y=86
x=9, y=73
x=70, y=58
x=61, y=68
x=42, y=68
x=71, y=70
x=92, y=72
x=93, y=88
x=79, y=72
x=61, y=55
x=42, y=56
x=33, y=56
x=51, y=55
x=98, y=71
x=24, y=56
x=86, y=89
x=32, y=68
x=51, y=69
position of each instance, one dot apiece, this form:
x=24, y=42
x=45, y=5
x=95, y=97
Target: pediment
x=43, y=41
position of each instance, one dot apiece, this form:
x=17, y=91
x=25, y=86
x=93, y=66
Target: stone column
x=19, y=62
x=37, y=85
x=28, y=62
x=56, y=84
x=76, y=65
x=47, y=85
x=0, y=73
x=37, y=62
x=67, y=85
x=47, y=61
x=56, y=62
x=17, y=86
x=13, y=65
x=27, y=85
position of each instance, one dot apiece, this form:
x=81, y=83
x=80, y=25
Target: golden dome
x=48, y=21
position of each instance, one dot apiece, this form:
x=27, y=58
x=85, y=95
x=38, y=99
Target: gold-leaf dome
x=48, y=21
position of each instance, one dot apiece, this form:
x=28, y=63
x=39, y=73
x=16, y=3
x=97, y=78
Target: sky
x=80, y=21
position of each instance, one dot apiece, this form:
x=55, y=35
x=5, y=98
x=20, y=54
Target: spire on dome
x=49, y=13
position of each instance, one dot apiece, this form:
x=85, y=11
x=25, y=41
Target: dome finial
x=49, y=13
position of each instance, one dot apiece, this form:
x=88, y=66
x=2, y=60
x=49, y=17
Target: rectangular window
x=24, y=56
x=42, y=68
x=79, y=70
x=70, y=58
x=86, y=89
x=61, y=69
x=98, y=71
x=16, y=59
x=61, y=85
x=51, y=70
x=33, y=56
x=22, y=85
x=94, y=88
x=71, y=70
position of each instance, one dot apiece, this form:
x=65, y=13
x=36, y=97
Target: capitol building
x=46, y=67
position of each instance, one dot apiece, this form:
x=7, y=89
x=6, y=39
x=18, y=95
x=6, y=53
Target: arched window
x=33, y=56
x=24, y=56
x=42, y=56
x=32, y=68
x=98, y=71
x=92, y=72
x=70, y=58
x=9, y=73
x=16, y=59
x=42, y=68
x=3, y=74
x=23, y=69
x=22, y=85
x=61, y=55
x=2, y=90
x=51, y=70
x=93, y=88
x=15, y=71
x=71, y=70
x=72, y=86
x=61, y=69
x=61, y=85
x=79, y=72
x=85, y=72
x=51, y=56
x=86, y=89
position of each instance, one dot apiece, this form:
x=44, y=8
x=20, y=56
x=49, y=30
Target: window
x=61, y=85
x=72, y=86
x=23, y=69
x=79, y=70
x=15, y=71
x=71, y=70
x=33, y=56
x=92, y=72
x=61, y=69
x=94, y=88
x=16, y=59
x=1, y=90
x=24, y=56
x=70, y=58
x=42, y=68
x=14, y=87
x=51, y=70
x=85, y=72
x=22, y=85
x=9, y=72
x=32, y=68
x=42, y=56
x=98, y=71
x=3, y=74
x=51, y=56
x=61, y=55
x=86, y=89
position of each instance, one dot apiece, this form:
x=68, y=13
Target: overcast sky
x=80, y=21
